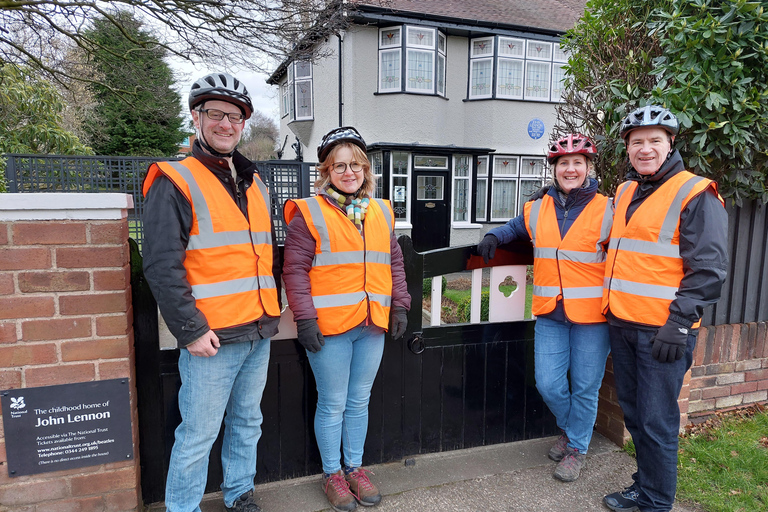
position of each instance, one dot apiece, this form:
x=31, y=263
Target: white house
x=455, y=99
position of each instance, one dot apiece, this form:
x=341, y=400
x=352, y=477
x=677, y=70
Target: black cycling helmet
x=650, y=115
x=336, y=137
x=221, y=86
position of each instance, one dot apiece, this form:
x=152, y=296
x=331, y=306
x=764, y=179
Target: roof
x=559, y=15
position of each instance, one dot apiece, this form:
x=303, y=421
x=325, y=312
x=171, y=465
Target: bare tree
x=260, y=136
x=246, y=34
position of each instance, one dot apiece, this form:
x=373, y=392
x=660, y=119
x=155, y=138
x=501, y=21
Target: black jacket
x=167, y=221
x=703, y=246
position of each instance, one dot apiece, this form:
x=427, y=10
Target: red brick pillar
x=65, y=317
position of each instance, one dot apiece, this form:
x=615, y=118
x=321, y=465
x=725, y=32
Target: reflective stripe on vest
x=228, y=260
x=571, y=268
x=644, y=267
x=344, y=260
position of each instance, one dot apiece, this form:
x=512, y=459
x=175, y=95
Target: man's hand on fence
x=487, y=247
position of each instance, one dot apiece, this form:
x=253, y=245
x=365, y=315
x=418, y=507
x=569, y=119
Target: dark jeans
x=648, y=391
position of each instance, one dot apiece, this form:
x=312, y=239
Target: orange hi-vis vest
x=570, y=268
x=228, y=258
x=644, y=268
x=350, y=275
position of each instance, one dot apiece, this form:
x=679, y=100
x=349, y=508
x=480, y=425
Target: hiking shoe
x=361, y=487
x=571, y=465
x=244, y=503
x=557, y=452
x=623, y=501
x=336, y=489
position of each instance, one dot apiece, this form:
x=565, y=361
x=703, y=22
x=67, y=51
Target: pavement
x=512, y=477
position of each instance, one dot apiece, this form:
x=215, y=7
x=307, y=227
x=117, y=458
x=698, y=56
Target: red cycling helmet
x=571, y=144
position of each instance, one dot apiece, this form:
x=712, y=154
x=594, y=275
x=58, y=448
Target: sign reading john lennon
x=68, y=426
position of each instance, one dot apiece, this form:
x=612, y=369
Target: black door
x=431, y=210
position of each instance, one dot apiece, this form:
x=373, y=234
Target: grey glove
x=310, y=336
x=399, y=322
x=670, y=341
x=487, y=247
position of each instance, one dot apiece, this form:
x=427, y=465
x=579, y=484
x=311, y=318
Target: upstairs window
x=412, y=59
x=296, y=92
x=515, y=69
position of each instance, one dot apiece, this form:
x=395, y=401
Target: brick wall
x=730, y=369
x=65, y=317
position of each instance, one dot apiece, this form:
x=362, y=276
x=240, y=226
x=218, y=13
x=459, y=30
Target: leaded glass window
x=377, y=168
x=400, y=186
x=304, y=99
x=481, y=78
x=429, y=188
x=481, y=188
x=537, y=80
x=389, y=70
x=509, y=83
x=420, y=71
x=503, y=200
x=413, y=63
x=532, y=167
x=527, y=189
x=462, y=171
x=558, y=82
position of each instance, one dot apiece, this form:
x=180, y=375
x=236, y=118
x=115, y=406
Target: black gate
x=443, y=388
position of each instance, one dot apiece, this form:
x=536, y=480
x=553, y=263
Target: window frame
x=407, y=51
x=404, y=223
x=467, y=179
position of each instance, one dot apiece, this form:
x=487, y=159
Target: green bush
x=464, y=308
x=426, y=286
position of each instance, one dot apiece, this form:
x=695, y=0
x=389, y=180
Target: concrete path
x=513, y=477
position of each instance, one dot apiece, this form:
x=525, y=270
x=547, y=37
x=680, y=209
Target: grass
x=723, y=462
x=456, y=296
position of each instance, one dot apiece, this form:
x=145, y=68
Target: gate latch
x=416, y=344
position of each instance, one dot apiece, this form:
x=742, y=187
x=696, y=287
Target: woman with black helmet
x=569, y=229
x=341, y=248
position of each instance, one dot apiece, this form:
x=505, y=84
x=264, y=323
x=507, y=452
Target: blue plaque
x=536, y=128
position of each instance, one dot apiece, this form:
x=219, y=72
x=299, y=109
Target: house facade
x=455, y=99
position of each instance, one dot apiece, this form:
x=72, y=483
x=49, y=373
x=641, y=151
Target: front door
x=431, y=210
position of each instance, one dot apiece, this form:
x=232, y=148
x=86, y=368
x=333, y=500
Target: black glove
x=540, y=193
x=310, y=336
x=670, y=341
x=487, y=247
x=399, y=322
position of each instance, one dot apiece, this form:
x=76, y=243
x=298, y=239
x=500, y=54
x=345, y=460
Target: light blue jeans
x=233, y=381
x=582, y=349
x=345, y=369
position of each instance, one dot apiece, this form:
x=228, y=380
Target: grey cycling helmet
x=221, y=86
x=650, y=115
x=336, y=137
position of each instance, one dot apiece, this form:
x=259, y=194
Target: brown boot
x=361, y=487
x=336, y=489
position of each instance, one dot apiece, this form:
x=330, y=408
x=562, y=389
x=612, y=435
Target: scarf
x=354, y=207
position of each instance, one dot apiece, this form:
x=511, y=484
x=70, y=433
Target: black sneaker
x=624, y=501
x=244, y=503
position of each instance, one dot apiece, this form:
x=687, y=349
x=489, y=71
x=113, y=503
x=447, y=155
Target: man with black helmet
x=666, y=261
x=211, y=261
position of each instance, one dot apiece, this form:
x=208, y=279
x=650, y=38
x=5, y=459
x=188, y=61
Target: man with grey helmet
x=666, y=261
x=211, y=261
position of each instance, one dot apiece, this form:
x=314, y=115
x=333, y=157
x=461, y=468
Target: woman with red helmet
x=569, y=228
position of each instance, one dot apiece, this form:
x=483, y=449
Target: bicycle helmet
x=221, y=86
x=336, y=137
x=650, y=115
x=571, y=144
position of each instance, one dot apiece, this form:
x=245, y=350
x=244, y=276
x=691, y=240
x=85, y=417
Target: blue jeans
x=233, y=381
x=344, y=372
x=648, y=391
x=582, y=349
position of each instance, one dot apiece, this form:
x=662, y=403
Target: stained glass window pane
x=482, y=47
x=436, y=162
x=558, y=82
x=527, y=189
x=303, y=69
x=482, y=166
x=400, y=163
x=303, y=99
x=461, y=200
x=429, y=187
x=481, y=192
x=421, y=37
x=389, y=70
x=481, y=77
x=440, y=74
x=505, y=166
x=559, y=54
x=377, y=163
x=511, y=47
x=389, y=37
x=537, y=80
x=509, y=82
x=420, y=70
x=400, y=197
x=539, y=50
x=503, y=199
x=441, y=42
x=532, y=167
x=461, y=166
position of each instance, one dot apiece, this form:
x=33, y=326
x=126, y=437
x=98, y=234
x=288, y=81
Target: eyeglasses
x=341, y=167
x=218, y=115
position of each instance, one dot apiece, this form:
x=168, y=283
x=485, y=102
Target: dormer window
x=412, y=59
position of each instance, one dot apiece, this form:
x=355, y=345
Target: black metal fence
x=286, y=179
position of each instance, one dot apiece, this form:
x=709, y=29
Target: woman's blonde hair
x=324, y=168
